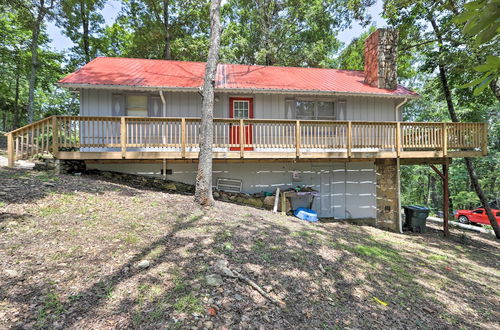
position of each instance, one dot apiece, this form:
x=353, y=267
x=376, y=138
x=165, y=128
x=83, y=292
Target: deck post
x=10, y=150
x=444, y=143
x=183, y=137
x=398, y=139
x=446, y=194
x=484, y=145
x=55, y=137
x=349, y=139
x=242, y=135
x=164, y=169
x=446, y=200
x=297, y=138
x=123, y=136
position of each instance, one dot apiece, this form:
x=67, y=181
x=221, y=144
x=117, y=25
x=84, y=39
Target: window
x=325, y=110
x=305, y=109
x=137, y=105
x=241, y=109
x=312, y=109
x=478, y=211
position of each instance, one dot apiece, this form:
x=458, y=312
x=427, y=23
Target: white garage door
x=347, y=190
x=330, y=182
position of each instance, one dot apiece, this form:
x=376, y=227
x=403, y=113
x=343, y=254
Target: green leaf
x=474, y=82
x=484, y=68
x=480, y=88
x=487, y=34
x=494, y=60
x=484, y=20
x=473, y=5
x=464, y=17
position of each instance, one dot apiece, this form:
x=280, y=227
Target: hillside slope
x=82, y=252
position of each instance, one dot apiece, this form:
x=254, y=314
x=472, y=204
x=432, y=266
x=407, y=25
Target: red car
x=476, y=216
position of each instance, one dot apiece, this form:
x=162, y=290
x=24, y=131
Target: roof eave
x=234, y=90
x=312, y=92
x=128, y=87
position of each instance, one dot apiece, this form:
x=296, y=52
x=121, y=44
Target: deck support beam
x=164, y=167
x=443, y=174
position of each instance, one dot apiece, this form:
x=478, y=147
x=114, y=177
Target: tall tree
x=35, y=12
x=80, y=21
x=14, y=56
x=482, y=21
x=352, y=57
x=17, y=87
x=287, y=32
x=203, y=194
x=430, y=24
x=164, y=29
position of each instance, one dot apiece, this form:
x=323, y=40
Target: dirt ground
x=82, y=252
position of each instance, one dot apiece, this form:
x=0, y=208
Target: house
x=337, y=131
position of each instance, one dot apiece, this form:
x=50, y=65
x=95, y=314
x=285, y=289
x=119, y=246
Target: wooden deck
x=145, y=138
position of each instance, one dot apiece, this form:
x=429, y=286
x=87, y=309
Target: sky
x=112, y=8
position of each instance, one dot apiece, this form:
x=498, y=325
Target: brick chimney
x=381, y=49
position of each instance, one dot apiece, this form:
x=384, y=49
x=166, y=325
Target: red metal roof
x=145, y=73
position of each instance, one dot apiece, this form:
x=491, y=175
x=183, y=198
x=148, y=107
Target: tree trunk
x=85, y=27
x=454, y=118
x=4, y=121
x=16, y=122
x=35, y=33
x=166, y=51
x=41, y=11
x=482, y=197
x=203, y=194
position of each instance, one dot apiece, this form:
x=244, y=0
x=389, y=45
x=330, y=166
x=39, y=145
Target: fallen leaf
x=212, y=311
x=380, y=301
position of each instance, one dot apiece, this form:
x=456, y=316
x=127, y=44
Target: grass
x=88, y=236
x=188, y=304
x=52, y=307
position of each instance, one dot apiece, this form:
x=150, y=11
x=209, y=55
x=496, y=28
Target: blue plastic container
x=306, y=214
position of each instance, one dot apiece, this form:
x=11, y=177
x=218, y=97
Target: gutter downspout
x=396, y=115
x=400, y=222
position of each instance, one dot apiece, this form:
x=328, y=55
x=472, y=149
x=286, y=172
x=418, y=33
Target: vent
x=229, y=185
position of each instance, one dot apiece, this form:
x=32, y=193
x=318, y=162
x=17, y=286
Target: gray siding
x=347, y=189
x=266, y=106
x=95, y=102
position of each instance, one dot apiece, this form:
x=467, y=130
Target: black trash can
x=415, y=218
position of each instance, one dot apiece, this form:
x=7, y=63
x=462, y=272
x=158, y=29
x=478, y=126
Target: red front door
x=240, y=108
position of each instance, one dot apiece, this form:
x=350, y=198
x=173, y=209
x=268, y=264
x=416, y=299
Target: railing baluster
x=242, y=134
x=183, y=138
x=349, y=139
x=123, y=136
x=444, y=140
x=55, y=137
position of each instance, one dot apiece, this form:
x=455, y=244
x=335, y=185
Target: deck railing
x=180, y=137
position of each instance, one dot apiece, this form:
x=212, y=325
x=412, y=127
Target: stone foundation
x=70, y=166
x=387, y=194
